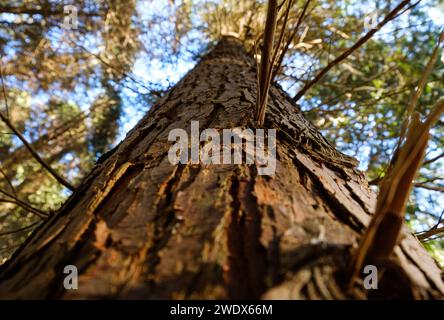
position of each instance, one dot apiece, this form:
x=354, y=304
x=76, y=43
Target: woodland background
x=74, y=93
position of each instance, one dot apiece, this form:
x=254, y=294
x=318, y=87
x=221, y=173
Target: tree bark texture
x=139, y=227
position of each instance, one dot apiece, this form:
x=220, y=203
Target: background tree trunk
x=139, y=227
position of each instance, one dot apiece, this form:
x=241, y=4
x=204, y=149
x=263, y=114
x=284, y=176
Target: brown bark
x=139, y=227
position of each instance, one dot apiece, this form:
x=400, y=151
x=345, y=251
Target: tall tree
x=140, y=227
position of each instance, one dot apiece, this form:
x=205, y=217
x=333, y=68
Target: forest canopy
x=76, y=76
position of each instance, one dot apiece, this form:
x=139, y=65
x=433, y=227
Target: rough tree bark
x=139, y=227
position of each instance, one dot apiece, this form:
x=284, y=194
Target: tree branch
x=429, y=187
x=34, y=153
x=267, y=50
x=420, y=87
x=4, y=92
x=281, y=35
x=41, y=214
x=19, y=230
x=8, y=181
x=427, y=234
x=433, y=159
x=392, y=15
x=290, y=40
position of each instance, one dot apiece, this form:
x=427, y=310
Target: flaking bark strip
x=256, y=253
x=165, y=219
x=121, y=175
x=357, y=199
x=247, y=257
x=341, y=212
x=238, y=284
x=56, y=288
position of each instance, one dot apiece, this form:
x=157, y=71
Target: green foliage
x=105, y=123
x=436, y=248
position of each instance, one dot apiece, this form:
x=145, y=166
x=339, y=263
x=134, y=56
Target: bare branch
x=291, y=38
x=281, y=35
x=19, y=230
x=8, y=181
x=433, y=159
x=4, y=92
x=427, y=234
x=111, y=66
x=34, y=153
x=24, y=205
x=430, y=187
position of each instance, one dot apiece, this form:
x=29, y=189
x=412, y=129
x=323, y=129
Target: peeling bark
x=139, y=227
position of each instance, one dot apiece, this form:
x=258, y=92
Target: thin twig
x=258, y=96
x=281, y=35
x=4, y=92
x=109, y=65
x=439, y=220
x=427, y=234
x=289, y=41
x=8, y=181
x=408, y=8
x=433, y=159
x=19, y=230
x=429, y=187
x=24, y=205
x=34, y=153
x=273, y=59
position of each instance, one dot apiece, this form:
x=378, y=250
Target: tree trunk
x=140, y=227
